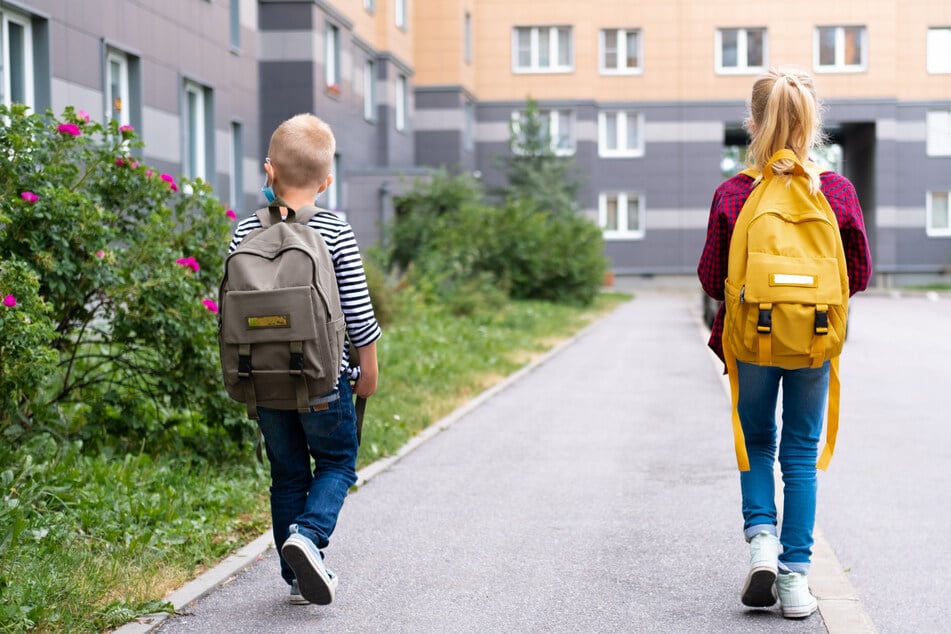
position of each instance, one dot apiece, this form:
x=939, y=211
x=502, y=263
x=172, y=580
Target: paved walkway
x=596, y=491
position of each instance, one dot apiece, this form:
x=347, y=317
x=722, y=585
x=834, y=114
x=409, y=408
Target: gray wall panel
x=450, y=97
x=286, y=16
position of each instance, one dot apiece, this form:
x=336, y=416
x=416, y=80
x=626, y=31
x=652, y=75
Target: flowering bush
x=105, y=329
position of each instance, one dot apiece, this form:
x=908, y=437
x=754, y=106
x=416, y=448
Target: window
x=401, y=103
x=938, y=131
x=939, y=50
x=620, y=134
x=740, y=50
x=939, y=217
x=840, y=48
x=621, y=215
x=369, y=90
x=332, y=60
x=467, y=38
x=236, y=190
x=369, y=5
x=197, y=110
x=117, y=88
x=542, y=49
x=235, y=24
x=400, y=7
x=468, y=132
x=16, y=40
x=557, y=125
x=620, y=51
x=333, y=192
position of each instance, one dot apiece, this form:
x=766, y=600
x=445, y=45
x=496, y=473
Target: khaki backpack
x=787, y=287
x=281, y=327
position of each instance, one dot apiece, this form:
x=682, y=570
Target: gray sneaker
x=316, y=583
x=759, y=590
x=794, y=596
x=296, y=598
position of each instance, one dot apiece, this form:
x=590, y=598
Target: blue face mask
x=268, y=193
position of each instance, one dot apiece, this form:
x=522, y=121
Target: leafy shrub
x=126, y=263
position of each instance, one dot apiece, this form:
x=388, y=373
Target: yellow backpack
x=787, y=287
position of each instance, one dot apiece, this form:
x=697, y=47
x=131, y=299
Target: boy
x=304, y=503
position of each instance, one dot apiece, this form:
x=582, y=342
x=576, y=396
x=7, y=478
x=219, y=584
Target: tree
x=535, y=172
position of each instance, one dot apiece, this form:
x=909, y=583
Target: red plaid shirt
x=728, y=201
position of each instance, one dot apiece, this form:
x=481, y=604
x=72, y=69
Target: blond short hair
x=302, y=150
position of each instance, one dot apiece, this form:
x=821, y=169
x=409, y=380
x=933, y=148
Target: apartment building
x=646, y=97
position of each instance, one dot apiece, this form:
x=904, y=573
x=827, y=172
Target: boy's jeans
x=310, y=499
x=804, y=397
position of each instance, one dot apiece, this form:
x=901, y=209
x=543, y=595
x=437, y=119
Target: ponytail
x=785, y=114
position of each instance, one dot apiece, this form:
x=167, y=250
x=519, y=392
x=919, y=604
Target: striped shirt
x=728, y=201
x=362, y=326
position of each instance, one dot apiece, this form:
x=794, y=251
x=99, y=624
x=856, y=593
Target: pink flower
x=191, y=263
x=10, y=301
x=231, y=215
x=134, y=164
x=69, y=128
x=84, y=115
x=148, y=173
x=126, y=129
x=100, y=254
x=120, y=162
x=29, y=197
x=210, y=304
x=168, y=178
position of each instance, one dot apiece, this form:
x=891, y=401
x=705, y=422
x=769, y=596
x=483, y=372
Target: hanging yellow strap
x=832, y=420
x=739, y=440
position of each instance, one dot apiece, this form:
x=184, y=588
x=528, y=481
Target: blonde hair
x=302, y=151
x=785, y=113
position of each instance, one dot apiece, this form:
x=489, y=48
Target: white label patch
x=786, y=279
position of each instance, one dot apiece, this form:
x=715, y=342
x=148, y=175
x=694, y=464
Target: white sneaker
x=794, y=596
x=296, y=598
x=759, y=590
x=316, y=583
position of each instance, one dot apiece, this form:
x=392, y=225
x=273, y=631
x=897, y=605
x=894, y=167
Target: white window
x=939, y=50
x=236, y=189
x=369, y=5
x=369, y=90
x=938, y=126
x=117, y=87
x=542, y=49
x=939, y=216
x=16, y=39
x=467, y=38
x=620, y=51
x=557, y=125
x=400, y=7
x=332, y=60
x=401, y=103
x=740, y=50
x=196, y=150
x=621, y=215
x=235, y=24
x=840, y=48
x=620, y=134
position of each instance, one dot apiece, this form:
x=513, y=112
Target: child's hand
x=366, y=383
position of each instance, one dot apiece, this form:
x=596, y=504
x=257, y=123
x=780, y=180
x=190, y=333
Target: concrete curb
x=225, y=571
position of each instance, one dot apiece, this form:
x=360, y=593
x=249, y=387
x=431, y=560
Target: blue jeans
x=312, y=499
x=804, y=397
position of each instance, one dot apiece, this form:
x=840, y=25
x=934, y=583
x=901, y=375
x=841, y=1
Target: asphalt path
x=598, y=492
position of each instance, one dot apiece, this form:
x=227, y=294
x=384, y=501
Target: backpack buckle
x=296, y=367
x=822, y=320
x=244, y=366
x=764, y=323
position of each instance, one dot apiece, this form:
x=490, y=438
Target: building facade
x=647, y=98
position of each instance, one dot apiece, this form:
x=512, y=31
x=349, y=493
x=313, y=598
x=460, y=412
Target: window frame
x=554, y=116
x=930, y=230
x=195, y=129
x=625, y=233
x=121, y=59
x=401, y=105
x=938, y=133
x=332, y=58
x=622, y=34
x=467, y=38
x=370, y=6
x=623, y=121
x=933, y=53
x=401, y=18
x=742, y=51
x=554, y=50
x=369, y=91
x=24, y=21
x=236, y=151
x=839, y=66
x=334, y=191
x=234, y=25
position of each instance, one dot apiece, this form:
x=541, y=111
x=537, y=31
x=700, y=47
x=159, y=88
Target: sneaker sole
x=759, y=590
x=312, y=581
x=299, y=600
x=800, y=611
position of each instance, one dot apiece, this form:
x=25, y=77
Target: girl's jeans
x=310, y=499
x=804, y=397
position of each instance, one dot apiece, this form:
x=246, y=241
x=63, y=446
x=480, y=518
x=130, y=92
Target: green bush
x=126, y=263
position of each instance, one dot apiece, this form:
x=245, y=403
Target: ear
x=326, y=184
x=269, y=171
